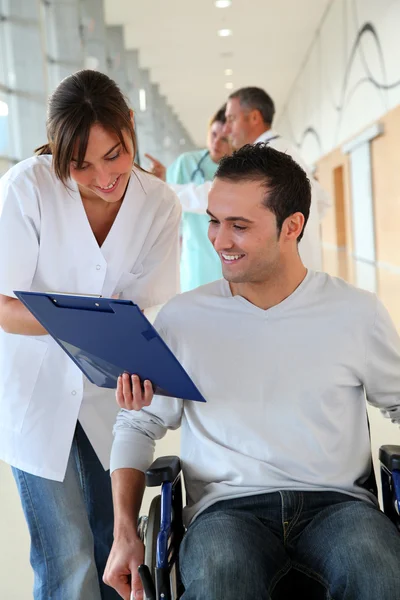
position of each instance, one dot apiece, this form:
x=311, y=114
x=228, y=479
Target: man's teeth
x=231, y=257
x=109, y=186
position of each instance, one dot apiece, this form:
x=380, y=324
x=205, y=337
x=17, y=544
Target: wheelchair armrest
x=164, y=469
x=389, y=456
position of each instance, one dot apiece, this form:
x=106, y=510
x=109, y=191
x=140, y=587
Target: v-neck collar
x=108, y=242
x=273, y=310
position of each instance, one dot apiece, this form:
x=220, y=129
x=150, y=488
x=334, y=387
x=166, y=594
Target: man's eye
x=213, y=221
x=239, y=228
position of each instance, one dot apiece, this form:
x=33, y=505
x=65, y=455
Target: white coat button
x=73, y=392
x=98, y=267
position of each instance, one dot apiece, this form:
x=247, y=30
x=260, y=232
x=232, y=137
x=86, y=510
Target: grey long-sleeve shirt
x=285, y=391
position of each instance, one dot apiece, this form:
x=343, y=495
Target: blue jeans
x=71, y=527
x=242, y=548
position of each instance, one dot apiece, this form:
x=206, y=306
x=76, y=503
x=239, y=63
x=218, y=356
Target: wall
x=337, y=226
x=350, y=78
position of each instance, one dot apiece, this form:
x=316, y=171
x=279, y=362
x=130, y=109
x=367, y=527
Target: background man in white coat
x=249, y=116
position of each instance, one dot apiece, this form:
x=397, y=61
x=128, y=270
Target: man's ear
x=293, y=226
x=256, y=117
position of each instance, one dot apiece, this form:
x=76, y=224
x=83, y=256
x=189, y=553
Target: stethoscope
x=199, y=168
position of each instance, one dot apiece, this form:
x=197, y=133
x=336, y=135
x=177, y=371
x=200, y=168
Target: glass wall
x=41, y=42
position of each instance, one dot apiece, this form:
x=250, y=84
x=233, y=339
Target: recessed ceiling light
x=222, y=3
x=224, y=32
x=229, y=85
x=228, y=72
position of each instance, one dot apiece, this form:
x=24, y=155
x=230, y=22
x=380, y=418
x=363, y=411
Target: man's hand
x=131, y=395
x=121, y=573
x=157, y=168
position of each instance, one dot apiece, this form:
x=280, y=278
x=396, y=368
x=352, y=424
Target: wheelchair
x=162, y=530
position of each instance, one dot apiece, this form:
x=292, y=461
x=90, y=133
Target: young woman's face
x=217, y=142
x=107, y=167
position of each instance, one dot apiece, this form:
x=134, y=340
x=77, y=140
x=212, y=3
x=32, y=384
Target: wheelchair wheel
x=150, y=541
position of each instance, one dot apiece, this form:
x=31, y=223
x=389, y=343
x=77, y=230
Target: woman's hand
x=157, y=168
x=131, y=394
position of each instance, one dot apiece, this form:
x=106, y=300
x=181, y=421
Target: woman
x=200, y=264
x=79, y=217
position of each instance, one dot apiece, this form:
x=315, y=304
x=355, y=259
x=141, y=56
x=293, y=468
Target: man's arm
x=132, y=453
x=382, y=364
x=127, y=553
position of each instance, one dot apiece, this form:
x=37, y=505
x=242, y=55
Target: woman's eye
x=114, y=157
x=81, y=168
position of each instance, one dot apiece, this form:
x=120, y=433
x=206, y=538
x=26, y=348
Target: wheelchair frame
x=162, y=549
x=162, y=544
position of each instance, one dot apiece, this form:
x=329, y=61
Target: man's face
x=218, y=142
x=243, y=231
x=239, y=125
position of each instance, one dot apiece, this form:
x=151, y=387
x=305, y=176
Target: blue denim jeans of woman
x=71, y=527
x=241, y=548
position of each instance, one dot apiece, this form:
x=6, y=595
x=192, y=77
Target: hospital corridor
x=199, y=258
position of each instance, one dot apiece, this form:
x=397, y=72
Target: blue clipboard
x=106, y=337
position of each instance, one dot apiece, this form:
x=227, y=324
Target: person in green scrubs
x=200, y=263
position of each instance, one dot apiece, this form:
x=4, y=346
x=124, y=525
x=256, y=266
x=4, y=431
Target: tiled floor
x=15, y=574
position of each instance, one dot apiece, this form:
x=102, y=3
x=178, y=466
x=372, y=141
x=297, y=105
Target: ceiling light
x=229, y=85
x=224, y=32
x=142, y=99
x=222, y=3
x=3, y=109
x=228, y=72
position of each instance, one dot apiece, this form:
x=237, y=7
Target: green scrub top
x=200, y=264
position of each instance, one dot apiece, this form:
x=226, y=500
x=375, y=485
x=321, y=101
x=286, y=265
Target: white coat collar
x=267, y=135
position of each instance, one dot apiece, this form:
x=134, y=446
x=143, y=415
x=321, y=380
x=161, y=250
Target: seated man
x=276, y=461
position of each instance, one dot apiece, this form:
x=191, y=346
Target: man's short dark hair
x=254, y=98
x=219, y=116
x=287, y=185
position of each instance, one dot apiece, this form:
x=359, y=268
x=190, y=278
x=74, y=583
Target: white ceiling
x=178, y=43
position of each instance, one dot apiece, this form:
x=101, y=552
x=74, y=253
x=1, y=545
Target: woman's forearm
x=16, y=318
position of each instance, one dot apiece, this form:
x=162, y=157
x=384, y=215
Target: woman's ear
x=132, y=115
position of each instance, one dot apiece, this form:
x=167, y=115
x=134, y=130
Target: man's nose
x=222, y=240
x=227, y=129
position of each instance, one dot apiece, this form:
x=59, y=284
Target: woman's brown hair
x=81, y=100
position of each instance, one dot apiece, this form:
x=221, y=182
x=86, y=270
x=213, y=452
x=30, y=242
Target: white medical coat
x=47, y=244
